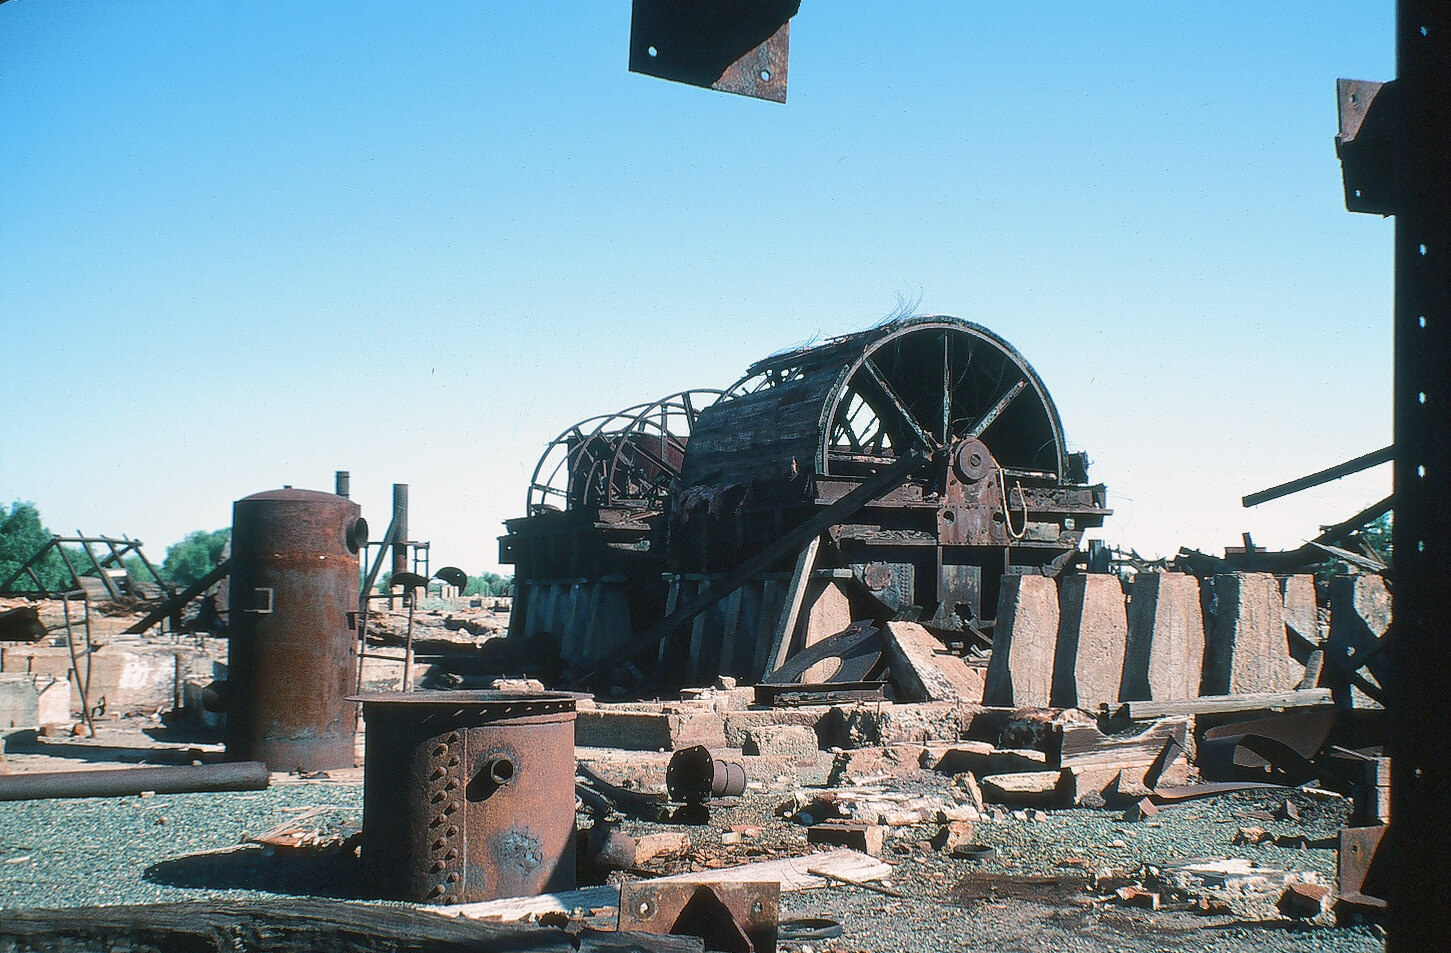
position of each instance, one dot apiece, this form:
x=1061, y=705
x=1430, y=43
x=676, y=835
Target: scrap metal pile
x=895, y=473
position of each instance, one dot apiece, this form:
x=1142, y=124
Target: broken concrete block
x=1306, y=901
x=981, y=758
x=827, y=611
x=967, y=791
x=648, y=728
x=53, y=706
x=1302, y=615
x=786, y=740
x=1360, y=614
x=1028, y=788
x=735, y=724
x=1235, y=885
x=1137, y=897
x=923, y=668
x=648, y=846
x=1093, y=629
x=854, y=765
x=952, y=835
x=1024, y=642
x=867, y=725
x=1247, y=650
x=867, y=838
x=1164, y=655
x=19, y=702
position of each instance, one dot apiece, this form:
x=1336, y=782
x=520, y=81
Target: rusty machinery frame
x=1395, y=149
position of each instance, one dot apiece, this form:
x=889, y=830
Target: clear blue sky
x=247, y=244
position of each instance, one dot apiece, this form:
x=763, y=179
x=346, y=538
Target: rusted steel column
x=468, y=796
x=293, y=653
x=1420, y=647
x=128, y=782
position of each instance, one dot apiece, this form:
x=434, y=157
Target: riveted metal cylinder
x=292, y=656
x=468, y=796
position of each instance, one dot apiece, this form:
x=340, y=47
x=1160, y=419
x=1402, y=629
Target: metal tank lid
x=288, y=494
x=470, y=699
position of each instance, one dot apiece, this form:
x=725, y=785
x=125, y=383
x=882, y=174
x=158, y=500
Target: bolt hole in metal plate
x=735, y=46
x=731, y=916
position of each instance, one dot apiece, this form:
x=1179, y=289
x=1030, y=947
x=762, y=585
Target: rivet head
x=439, y=865
x=452, y=877
x=451, y=830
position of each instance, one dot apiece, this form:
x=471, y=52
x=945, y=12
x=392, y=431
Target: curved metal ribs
x=625, y=459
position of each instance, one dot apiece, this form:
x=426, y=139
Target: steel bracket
x=735, y=917
x=735, y=46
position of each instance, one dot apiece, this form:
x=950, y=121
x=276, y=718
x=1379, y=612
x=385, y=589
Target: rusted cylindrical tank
x=468, y=796
x=293, y=656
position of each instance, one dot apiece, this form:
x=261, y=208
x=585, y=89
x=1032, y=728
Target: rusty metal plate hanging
x=735, y=46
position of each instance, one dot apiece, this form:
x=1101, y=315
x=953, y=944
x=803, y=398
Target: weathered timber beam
x=1213, y=704
x=284, y=926
x=1363, y=462
x=180, y=599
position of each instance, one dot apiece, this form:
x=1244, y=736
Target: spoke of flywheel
x=997, y=409
x=946, y=389
x=927, y=442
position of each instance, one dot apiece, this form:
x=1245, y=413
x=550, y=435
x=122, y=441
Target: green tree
x=21, y=536
x=194, y=557
x=489, y=584
x=1377, y=535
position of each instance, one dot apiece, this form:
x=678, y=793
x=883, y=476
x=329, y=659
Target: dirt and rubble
x=976, y=827
x=1079, y=878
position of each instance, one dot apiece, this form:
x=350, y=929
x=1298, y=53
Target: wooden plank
x=1213, y=704
x=697, y=638
x=178, y=601
x=785, y=629
x=791, y=873
x=727, y=657
x=923, y=668
x=1084, y=746
x=277, y=925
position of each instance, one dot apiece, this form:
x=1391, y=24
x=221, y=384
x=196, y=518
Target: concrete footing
x=1024, y=640
x=1164, y=655
x=1092, y=635
x=1247, y=650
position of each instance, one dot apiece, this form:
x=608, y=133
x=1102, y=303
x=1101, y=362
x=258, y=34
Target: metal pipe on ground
x=128, y=782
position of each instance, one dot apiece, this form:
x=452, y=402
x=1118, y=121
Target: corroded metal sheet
x=735, y=46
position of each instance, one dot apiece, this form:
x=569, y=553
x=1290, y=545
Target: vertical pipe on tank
x=343, y=481
x=400, y=520
x=292, y=653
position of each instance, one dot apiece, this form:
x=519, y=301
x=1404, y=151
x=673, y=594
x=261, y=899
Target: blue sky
x=247, y=244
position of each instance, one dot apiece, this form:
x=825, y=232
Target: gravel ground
x=185, y=847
